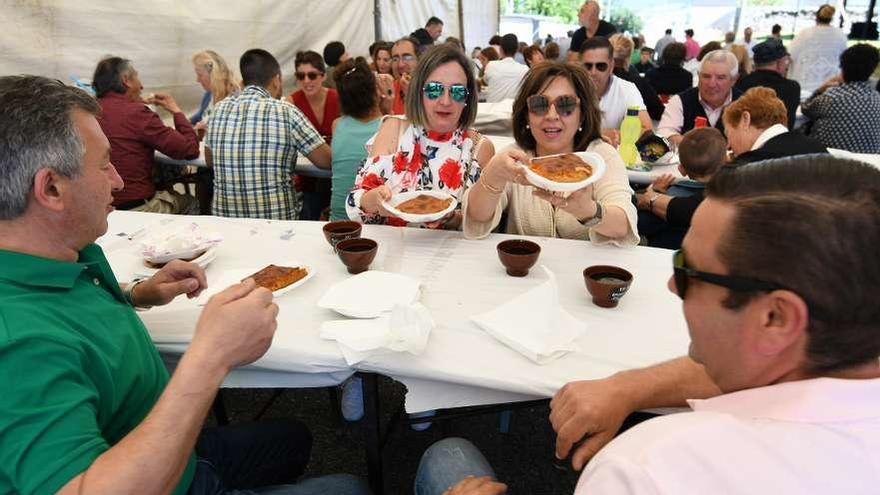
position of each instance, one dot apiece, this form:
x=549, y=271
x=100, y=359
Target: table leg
x=373, y=432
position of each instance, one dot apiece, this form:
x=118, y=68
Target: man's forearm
x=153, y=456
x=668, y=384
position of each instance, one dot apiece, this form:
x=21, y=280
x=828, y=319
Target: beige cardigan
x=530, y=215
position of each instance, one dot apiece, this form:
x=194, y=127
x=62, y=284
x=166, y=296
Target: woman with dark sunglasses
x=432, y=148
x=321, y=106
x=555, y=111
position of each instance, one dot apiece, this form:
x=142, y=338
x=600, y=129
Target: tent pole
x=377, y=21
x=461, y=22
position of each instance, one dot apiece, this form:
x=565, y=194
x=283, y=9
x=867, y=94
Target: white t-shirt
x=806, y=437
x=619, y=96
x=503, y=78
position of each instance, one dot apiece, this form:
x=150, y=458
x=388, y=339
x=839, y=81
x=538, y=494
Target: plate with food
x=280, y=279
x=565, y=172
x=421, y=206
x=187, y=242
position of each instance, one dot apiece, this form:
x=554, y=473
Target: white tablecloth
x=462, y=365
x=303, y=165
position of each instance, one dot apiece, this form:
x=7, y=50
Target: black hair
x=108, y=76
x=333, y=51
x=858, y=62
x=258, y=67
x=509, y=44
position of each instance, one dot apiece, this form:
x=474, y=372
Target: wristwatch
x=595, y=219
x=129, y=290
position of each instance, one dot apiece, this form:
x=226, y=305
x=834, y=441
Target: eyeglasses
x=311, y=75
x=434, y=90
x=540, y=104
x=681, y=275
x=406, y=57
x=601, y=66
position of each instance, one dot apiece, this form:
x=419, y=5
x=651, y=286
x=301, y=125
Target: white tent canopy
x=64, y=38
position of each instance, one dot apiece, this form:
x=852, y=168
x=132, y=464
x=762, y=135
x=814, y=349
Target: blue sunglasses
x=434, y=90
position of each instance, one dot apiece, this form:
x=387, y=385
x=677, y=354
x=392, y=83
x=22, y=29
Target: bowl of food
x=652, y=147
x=357, y=254
x=518, y=256
x=421, y=206
x=607, y=284
x=342, y=230
x=565, y=172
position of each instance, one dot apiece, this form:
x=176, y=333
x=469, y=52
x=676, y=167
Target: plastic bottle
x=630, y=130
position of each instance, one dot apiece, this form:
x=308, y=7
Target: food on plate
x=561, y=168
x=275, y=277
x=651, y=148
x=149, y=264
x=424, y=204
x=653, y=151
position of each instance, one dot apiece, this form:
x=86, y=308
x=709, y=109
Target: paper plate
x=230, y=277
x=414, y=218
x=592, y=159
x=370, y=294
x=203, y=261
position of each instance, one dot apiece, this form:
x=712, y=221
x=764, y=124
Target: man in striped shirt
x=252, y=142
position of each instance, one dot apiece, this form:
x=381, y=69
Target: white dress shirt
x=672, y=120
x=818, y=436
x=618, y=97
x=503, y=78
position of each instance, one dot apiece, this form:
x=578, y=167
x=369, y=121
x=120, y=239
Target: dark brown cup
x=518, y=255
x=357, y=254
x=342, y=230
x=607, y=284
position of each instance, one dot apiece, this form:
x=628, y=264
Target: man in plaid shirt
x=252, y=142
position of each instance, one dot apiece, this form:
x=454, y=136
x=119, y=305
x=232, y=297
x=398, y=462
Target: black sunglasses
x=601, y=66
x=311, y=75
x=681, y=274
x=540, y=104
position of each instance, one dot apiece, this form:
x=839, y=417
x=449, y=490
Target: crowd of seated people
x=404, y=121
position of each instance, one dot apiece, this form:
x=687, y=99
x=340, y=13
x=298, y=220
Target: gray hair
x=36, y=132
x=725, y=56
x=428, y=63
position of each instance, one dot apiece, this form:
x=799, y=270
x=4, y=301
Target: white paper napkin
x=406, y=329
x=370, y=294
x=534, y=324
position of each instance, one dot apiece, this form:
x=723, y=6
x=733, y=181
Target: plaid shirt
x=846, y=117
x=254, y=140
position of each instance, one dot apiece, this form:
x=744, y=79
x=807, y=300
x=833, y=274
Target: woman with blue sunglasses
x=556, y=111
x=430, y=148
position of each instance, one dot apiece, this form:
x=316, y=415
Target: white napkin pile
x=406, y=329
x=390, y=318
x=534, y=324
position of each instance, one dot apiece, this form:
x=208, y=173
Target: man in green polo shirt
x=87, y=405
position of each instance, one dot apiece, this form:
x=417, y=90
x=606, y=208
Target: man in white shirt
x=747, y=40
x=784, y=350
x=661, y=45
x=714, y=92
x=615, y=94
x=503, y=77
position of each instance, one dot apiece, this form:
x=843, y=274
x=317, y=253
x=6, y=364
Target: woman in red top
x=321, y=106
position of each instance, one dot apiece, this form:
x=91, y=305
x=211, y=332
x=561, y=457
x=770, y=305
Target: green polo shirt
x=78, y=370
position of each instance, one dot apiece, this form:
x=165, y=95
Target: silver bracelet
x=129, y=290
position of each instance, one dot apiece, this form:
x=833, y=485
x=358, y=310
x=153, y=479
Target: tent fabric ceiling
x=61, y=38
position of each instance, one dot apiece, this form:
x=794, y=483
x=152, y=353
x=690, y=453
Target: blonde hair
x=623, y=48
x=222, y=82
x=743, y=62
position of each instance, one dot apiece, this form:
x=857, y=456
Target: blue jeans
x=263, y=458
x=446, y=463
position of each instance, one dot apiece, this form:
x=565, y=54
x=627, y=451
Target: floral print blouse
x=424, y=160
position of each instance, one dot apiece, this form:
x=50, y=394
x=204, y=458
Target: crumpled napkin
x=179, y=243
x=406, y=329
x=370, y=294
x=534, y=324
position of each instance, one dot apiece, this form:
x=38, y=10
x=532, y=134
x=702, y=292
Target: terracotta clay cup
x=335, y=232
x=518, y=255
x=357, y=254
x=607, y=284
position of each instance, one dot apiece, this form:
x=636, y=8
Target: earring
x=527, y=126
x=580, y=128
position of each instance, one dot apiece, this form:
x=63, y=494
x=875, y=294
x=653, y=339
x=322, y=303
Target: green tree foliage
x=626, y=20
x=565, y=10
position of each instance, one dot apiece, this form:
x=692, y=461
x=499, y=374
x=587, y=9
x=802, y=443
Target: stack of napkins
x=370, y=294
x=406, y=329
x=534, y=324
